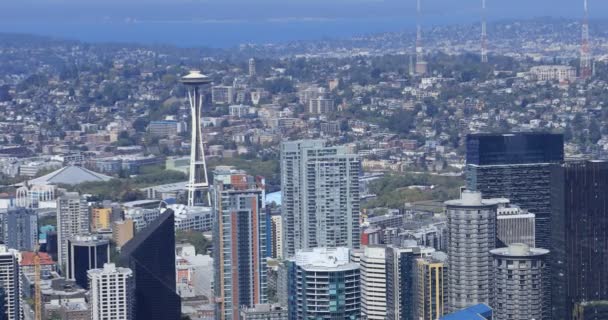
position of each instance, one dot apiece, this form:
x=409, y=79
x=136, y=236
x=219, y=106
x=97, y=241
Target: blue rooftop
x=476, y=312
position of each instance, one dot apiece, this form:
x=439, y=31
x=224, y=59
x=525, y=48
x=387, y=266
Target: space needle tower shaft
x=198, y=183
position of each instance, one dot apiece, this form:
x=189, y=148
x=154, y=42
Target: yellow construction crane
x=38, y=293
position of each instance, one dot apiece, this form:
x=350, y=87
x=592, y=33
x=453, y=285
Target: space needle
x=198, y=183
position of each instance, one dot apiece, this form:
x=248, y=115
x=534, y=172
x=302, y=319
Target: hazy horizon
x=225, y=23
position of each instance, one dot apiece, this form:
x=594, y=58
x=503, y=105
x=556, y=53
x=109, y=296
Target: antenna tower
x=484, y=34
x=586, y=67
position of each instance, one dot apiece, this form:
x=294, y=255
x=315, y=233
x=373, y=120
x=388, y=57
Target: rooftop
x=476, y=312
x=27, y=258
x=328, y=259
x=70, y=175
x=474, y=199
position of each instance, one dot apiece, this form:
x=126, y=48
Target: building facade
x=265, y=312
x=20, y=227
x=10, y=282
x=122, y=232
x=276, y=234
x=86, y=253
x=521, y=287
x=472, y=234
x=430, y=287
x=239, y=242
x=72, y=220
x=101, y=219
x=320, y=196
x=514, y=225
x=324, y=284
x=517, y=167
x=580, y=229
x=553, y=73
x=373, y=283
x=111, y=293
x=400, y=264
x=151, y=257
x=222, y=95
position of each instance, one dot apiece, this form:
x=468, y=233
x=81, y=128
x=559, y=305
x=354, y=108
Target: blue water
x=227, y=23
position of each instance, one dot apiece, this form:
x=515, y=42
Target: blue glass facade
x=517, y=167
x=580, y=235
x=151, y=256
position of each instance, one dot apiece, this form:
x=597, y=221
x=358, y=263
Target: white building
x=553, y=72
x=72, y=220
x=222, y=95
x=276, y=234
x=111, y=293
x=472, y=234
x=10, y=282
x=194, y=272
x=521, y=283
x=240, y=111
x=373, y=283
x=321, y=106
x=515, y=225
x=321, y=273
x=252, y=68
x=192, y=218
x=141, y=216
x=320, y=195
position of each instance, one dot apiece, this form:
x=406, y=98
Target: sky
x=229, y=22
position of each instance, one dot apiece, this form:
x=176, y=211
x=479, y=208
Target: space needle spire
x=421, y=65
x=198, y=183
x=586, y=67
x=484, y=33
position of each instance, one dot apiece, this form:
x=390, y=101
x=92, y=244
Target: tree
x=4, y=93
x=140, y=124
x=595, y=133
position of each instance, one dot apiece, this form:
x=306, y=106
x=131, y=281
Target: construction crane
x=38, y=293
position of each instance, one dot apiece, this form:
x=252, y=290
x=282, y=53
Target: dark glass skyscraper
x=516, y=166
x=400, y=264
x=151, y=256
x=579, y=235
x=86, y=253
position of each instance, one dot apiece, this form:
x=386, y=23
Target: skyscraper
x=521, y=287
x=324, y=284
x=400, y=263
x=472, y=234
x=86, y=253
x=517, y=167
x=239, y=241
x=579, y=259
x=20, y=227
x=10, y=281
x=430, y=286
x=151, y=257
x=320, y=195
x=198, y=182
x=276, y=236
x=72, y=220
x=111, y=293
x=252, y=68
x=373, y=283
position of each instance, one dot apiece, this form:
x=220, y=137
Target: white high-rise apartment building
x=373, y=283
x=472, y=234
x=521, y=283
x=320, y=195
x=10, y=281
x=72, y=220
x=112, y=293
